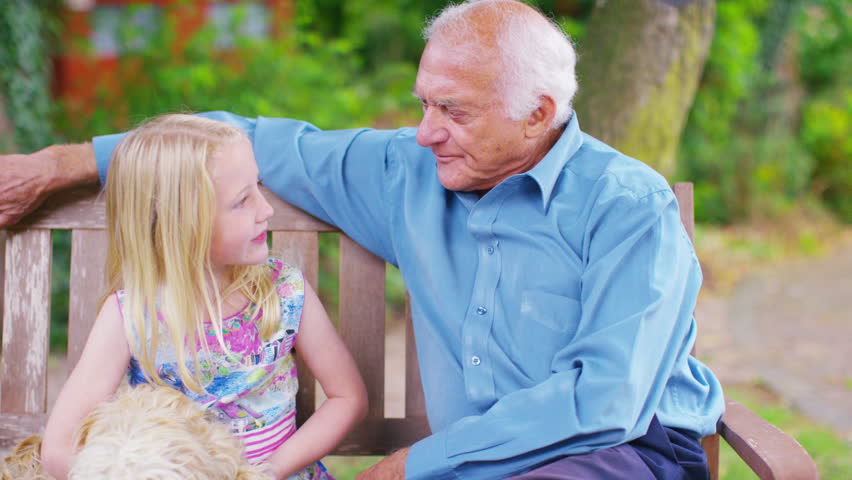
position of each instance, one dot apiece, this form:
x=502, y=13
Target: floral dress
x=252, y=390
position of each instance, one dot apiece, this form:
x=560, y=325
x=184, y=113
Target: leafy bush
x=825, y=36
x=770, y=123
x=298, y=74
x=26, y=33
x=827, y=134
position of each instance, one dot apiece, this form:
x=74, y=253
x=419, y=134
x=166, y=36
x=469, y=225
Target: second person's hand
x=27, y=180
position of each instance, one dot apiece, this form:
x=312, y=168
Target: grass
x=832, y=454
x=345, y=468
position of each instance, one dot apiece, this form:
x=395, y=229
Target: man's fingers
x=7, y=220
x=15, y=210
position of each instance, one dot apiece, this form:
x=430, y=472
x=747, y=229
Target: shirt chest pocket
x=547, y=323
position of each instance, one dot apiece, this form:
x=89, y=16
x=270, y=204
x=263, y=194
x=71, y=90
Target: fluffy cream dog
x=144, y=433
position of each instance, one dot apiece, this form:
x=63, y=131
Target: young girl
x=187, y=241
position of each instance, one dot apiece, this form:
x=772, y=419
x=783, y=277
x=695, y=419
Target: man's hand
x=26, y=180
x=390, y=468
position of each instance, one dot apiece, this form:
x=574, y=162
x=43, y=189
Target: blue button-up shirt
x=553, y=315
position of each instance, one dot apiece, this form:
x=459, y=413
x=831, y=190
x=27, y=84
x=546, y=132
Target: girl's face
x=240, y=222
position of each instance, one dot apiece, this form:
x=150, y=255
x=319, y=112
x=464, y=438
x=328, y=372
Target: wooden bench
x=361, y=320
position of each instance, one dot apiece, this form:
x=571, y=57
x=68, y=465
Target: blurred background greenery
x=766, y=140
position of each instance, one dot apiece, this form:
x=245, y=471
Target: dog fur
x=144, y=433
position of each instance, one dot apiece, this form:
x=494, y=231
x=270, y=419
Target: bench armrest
x=769, y=452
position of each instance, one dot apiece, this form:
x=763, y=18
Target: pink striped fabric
x=262, y=442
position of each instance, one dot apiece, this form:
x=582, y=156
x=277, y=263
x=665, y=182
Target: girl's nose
x=264, y=210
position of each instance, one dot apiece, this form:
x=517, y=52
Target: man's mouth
x=444, y=158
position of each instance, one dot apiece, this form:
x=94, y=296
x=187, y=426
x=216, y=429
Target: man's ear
x=540, y=119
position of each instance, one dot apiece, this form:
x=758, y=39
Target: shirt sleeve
x=638, y=291
x=337, y=176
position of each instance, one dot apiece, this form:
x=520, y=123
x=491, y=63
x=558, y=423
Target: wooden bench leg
x=710, y=443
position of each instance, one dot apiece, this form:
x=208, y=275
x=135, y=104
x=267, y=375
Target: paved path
x=789, y=326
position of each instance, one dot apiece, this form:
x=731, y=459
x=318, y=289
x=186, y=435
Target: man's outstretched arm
x=26, y=180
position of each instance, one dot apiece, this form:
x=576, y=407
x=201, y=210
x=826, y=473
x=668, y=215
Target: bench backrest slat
x=26, y=322
x=362, y=317
x=86, y=285
x=301, y=249
x=415, y=403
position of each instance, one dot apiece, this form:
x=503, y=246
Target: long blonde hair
x=160, y=205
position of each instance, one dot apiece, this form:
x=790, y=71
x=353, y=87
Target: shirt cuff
x=427, y=459
x=104, y=145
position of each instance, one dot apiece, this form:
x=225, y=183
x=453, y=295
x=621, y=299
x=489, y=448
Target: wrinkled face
x=240, y=223
x=476, y=145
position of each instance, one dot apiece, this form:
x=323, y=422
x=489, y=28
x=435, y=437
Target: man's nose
x=431, y=130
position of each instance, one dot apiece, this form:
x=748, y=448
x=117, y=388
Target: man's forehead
x=449, y=76
x=450, y=96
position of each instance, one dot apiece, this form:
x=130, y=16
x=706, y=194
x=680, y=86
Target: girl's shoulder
x=286, y=277
x=119, y=296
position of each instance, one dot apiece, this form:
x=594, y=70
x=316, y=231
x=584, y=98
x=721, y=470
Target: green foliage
x=26, y=32
x=300, y=74
x=711, y=153
x=59, y=300
x=753, y=145
x=826, y=132
x=825, y=34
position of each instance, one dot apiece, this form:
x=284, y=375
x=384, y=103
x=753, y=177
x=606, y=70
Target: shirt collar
x=547, y=171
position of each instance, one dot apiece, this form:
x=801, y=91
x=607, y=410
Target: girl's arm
x=97, y=375
x=330, y=362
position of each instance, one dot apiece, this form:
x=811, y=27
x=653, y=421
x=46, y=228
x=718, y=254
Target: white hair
x=538, y=57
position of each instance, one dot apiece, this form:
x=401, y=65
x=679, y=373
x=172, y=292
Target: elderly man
x=552, y=283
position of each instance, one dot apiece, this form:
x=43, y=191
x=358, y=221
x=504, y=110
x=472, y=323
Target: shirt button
x=490, y=250
x=474, y=360
x=481, y=310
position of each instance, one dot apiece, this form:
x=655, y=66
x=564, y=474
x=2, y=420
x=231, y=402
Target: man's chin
x=452, y=184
